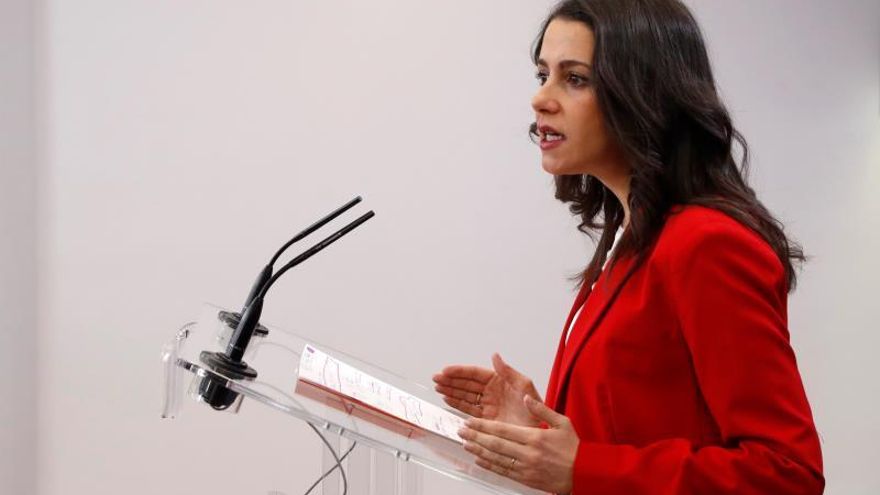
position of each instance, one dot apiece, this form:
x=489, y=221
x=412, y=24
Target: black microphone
x=233, y=319
x=230, y=363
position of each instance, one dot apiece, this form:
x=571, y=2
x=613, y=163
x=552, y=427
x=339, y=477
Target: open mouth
x=550, y=136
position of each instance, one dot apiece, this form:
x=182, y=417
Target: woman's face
x=574, y=139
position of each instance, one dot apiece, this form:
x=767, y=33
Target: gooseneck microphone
x=249, y=319
x=266, y=273
x=233, y=319
x=229, y=363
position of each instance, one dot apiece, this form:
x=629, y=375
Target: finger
x=501, y=367
x=477, y=373
x=541, y=411
x=507, y=372
x=472, y=397
x=519, y=434
x=487, y=455
x=492, y=443
x=495, y=468
x=465, y=407
x=462, y=383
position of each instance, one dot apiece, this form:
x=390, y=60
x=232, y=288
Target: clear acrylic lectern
x=389, y=458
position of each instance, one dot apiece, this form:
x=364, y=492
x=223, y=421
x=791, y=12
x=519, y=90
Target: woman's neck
x=619, y=185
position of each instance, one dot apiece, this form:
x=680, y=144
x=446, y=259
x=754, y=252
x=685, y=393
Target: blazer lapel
x=607, y=289
x=553, y=382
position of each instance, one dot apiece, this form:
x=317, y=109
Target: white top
x=578, y=314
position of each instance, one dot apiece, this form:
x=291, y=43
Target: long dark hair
x=655, y=89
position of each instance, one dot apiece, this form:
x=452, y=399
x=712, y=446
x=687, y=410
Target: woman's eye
x=541, y=77
x=578, y=80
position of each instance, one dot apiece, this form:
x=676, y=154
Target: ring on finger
x=479, y=398
x=509, y=467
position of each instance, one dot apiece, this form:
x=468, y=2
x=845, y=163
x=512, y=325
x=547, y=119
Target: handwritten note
x=323, y=370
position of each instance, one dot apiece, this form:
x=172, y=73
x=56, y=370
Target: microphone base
x=212, y=389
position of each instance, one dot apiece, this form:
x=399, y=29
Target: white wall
x=18, y=303
x=185, y=140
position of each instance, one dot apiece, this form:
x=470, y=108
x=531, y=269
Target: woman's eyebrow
x=564, y=64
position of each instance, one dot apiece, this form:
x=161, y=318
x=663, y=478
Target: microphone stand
x=233, y=319
x=229, y=363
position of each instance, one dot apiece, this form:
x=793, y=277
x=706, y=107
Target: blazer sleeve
x=729, y=292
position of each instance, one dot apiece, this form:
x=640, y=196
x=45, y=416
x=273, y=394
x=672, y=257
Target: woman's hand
x=490, y=394
x=540, y=458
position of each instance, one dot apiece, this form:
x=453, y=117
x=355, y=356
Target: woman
x=674, y=373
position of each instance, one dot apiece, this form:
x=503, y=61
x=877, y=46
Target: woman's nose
x=544, y=102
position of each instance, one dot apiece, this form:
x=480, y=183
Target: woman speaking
x=674, y=372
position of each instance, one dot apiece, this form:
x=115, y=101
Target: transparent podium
x=390, y=456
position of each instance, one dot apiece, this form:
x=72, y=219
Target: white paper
x=321, y=369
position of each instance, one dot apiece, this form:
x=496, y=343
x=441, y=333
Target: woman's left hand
x=538, y=457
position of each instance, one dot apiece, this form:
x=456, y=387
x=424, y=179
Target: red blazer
x=685, y=383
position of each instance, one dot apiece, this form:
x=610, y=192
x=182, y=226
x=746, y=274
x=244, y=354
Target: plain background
x=154, y=153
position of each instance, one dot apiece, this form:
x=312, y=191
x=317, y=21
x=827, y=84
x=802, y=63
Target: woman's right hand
x=495, y=394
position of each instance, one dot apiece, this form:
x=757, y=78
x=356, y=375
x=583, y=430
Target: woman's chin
x=554, y=167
